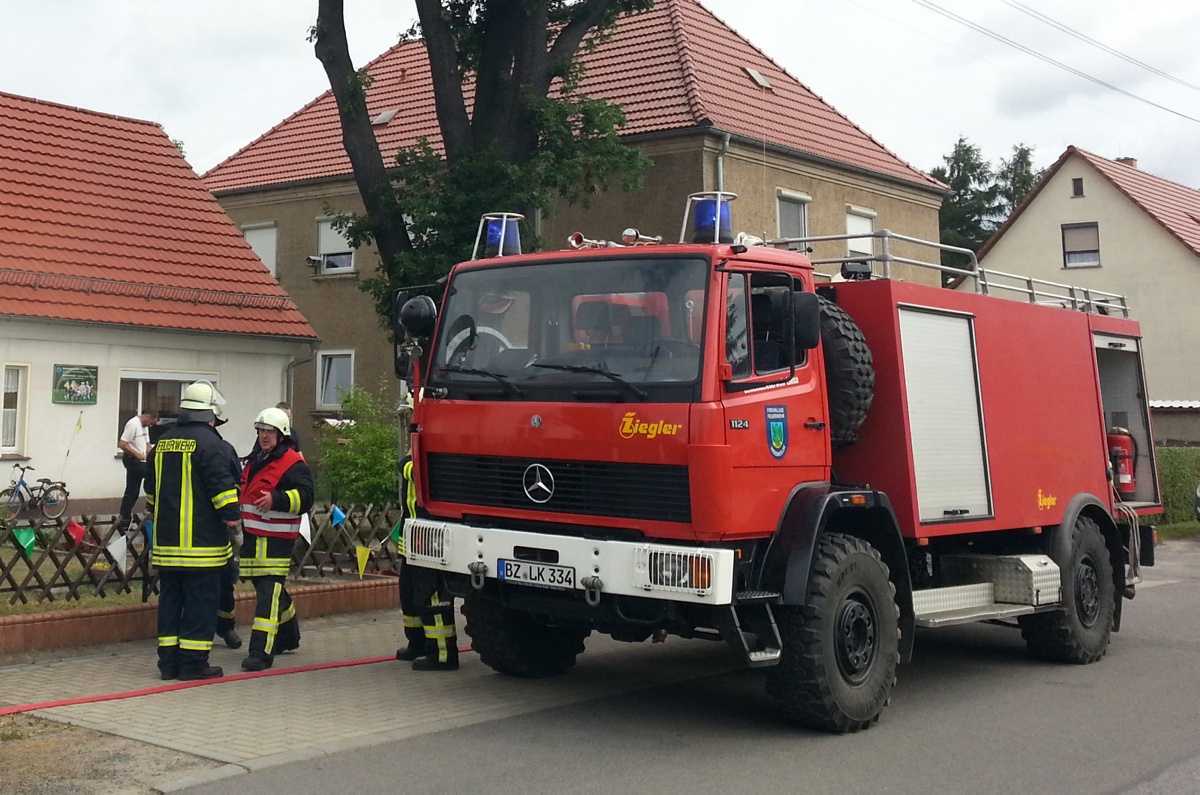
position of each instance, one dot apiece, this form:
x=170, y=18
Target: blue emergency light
x=503, y=238
x=712, y=225
x=500, y=235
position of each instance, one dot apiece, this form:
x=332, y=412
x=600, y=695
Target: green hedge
x=1178, y=474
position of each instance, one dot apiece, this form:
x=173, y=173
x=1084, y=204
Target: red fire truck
x=710, y=440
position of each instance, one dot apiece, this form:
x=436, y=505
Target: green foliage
x=1178, y=475
x=981, y=196
x=1177, y=532
x=530, y=150
x=579, y=155
x=360, y=460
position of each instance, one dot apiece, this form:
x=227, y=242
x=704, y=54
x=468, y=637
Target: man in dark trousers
x=277, y=489
x=428, y=621
x=193, y=497
x=135, y=451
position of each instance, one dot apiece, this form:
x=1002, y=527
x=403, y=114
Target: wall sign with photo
x=75, y=383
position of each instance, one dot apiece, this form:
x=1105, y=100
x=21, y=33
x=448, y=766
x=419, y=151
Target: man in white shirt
x=135, y=446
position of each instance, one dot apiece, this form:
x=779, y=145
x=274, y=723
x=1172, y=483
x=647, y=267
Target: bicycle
x=48, y=495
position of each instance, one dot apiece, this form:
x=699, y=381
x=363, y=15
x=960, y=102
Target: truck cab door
x=776, y=417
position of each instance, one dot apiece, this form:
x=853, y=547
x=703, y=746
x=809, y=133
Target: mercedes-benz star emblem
x=538, y=483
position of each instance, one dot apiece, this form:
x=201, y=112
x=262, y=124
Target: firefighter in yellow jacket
x=277, y=489
x=428, y=621
x=193, y=498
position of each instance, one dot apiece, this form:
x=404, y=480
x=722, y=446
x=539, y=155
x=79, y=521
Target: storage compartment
x=1123, y=397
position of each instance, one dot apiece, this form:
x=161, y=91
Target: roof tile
x=676, y=67
x=103, y=221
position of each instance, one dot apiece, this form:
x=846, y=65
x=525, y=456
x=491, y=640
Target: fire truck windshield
x=584, y=328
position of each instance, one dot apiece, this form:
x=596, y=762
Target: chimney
x=1128, y=161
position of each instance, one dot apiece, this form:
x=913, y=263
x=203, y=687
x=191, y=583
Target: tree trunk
x=358, y=136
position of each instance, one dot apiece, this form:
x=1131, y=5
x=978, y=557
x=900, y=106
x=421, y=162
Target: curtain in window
x=8, y=407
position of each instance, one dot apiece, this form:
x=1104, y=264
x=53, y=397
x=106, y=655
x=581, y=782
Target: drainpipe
x=721, y=162
x=292, y=365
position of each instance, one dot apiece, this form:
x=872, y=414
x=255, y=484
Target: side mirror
x=806, y=326
x=398, y=299
x=418, y=316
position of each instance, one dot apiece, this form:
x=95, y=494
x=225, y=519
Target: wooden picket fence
x=81, y=555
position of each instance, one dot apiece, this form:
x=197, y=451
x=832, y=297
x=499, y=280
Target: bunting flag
x=337, y=515
x=363, y=553
x=118, y=548
x=75, y=530
x=395, y=536
x=79, y=423
x=148, y=529
x=306, y=528
x=25, y=538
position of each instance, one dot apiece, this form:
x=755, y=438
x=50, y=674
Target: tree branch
x=358, y=137
x=448, y=100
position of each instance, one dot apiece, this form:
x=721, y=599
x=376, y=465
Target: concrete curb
x=90, y=626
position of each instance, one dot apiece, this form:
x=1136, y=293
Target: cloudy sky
x=915, y=74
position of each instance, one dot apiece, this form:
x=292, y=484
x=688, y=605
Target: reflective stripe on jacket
x=192, y=494
x=286, y=478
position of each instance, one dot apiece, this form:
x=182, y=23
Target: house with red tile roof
x=710, y=109
x=121, y=281
x=1104, y=224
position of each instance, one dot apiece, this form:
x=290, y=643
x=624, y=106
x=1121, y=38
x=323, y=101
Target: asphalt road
x=973, y=713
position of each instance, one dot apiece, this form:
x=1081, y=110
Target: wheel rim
x=856, y=638
x=1087, y=592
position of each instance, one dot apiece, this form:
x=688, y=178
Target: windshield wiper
x=604, y=371
x=503, y=379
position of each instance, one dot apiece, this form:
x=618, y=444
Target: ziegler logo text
x=1045, y=501
x=631, y=426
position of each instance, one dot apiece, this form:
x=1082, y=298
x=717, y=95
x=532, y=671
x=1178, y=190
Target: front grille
x=656, y=492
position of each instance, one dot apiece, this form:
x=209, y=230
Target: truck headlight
x=688, y=570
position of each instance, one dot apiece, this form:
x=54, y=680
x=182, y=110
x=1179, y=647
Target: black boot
x=231, y=638
x=414, y=634
x=207, y=672
x=256, y=662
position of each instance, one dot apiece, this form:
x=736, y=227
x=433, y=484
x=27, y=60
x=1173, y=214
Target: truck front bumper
x=696, y=575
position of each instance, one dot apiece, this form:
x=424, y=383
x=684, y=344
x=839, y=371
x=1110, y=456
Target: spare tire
x=849, y=373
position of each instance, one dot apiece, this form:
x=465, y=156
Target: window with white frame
x=1081, y=245
x=263, y=238
x=335, y=377
x=333, y=248
x=860, y=221
x=12, y=409
x=145, y=390
x=792, y=209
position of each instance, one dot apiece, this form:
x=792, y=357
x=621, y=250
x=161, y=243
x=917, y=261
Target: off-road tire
x=512, y=643
x=842, y=646
x=849, y=373
x=54, y=502
x=1078, y=632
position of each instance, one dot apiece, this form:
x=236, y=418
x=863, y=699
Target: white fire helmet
x=202, y=396
x=274, y=418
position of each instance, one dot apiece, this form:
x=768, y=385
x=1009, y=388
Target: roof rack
x=987, y=282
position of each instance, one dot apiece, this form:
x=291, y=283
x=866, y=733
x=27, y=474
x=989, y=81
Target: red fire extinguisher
x=1122, y=452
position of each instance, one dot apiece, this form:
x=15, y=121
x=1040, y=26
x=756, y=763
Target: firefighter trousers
x=276, y=628
x=441, y=639
x=187, y=617
x=410, y=607
x=225, y=602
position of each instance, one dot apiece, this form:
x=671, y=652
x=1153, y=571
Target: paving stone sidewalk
x=258, y=722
